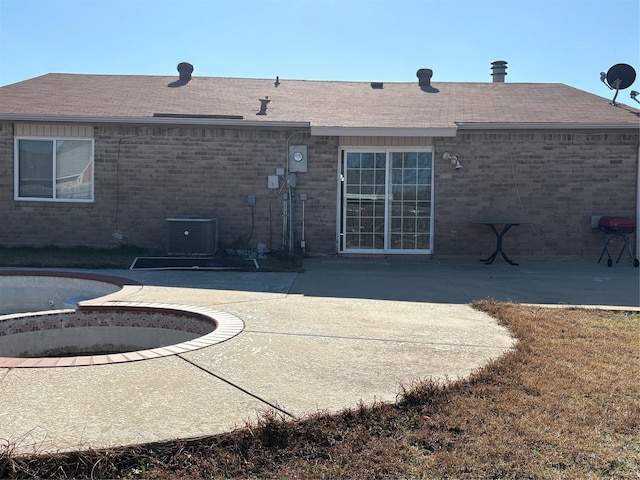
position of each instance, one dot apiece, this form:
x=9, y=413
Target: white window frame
x=16, y=170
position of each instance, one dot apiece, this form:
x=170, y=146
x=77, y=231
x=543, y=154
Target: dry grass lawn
x=563, y=404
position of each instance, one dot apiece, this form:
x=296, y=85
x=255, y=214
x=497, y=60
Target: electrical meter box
x=297, y=158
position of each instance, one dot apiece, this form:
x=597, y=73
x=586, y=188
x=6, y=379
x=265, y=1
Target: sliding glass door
x=387, y=201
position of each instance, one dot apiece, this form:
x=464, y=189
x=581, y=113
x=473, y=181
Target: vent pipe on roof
x=424, y=80
x=263, y=105
x=424, y=77
x=185, y=70
x=499, y=68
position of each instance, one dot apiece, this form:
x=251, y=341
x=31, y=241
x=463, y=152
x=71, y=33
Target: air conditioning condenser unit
x=191, y=236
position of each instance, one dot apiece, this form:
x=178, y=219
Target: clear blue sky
x=565, y=41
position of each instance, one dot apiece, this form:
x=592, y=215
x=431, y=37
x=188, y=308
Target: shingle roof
x=321, y=103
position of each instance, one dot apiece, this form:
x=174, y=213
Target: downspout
x=303, y=243
x=637, y=202
x=285, y=219
x=291, y=181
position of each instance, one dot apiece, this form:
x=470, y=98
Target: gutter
x=316, y=130
x=546, y=126
x=460, y=126
x=223, y=122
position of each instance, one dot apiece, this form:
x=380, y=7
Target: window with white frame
x=54, y=169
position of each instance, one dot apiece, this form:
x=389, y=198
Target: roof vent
x=424, y=77
x=377, y=85
x=424, y=80
x=499, y=68
x=263, y=105
x=185, y=70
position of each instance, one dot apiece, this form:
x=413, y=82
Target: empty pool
x=83, y=323
x=32, y=291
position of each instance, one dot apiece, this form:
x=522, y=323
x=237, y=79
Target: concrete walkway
x=342, y=332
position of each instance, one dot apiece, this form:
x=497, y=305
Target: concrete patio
x=344, y=331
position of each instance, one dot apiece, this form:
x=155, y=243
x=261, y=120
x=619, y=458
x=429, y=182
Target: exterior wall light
x=446, y=156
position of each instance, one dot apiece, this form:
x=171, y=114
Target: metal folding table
x=493, y=225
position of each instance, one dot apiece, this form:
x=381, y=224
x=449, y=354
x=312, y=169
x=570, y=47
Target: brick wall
x=144, y=175
x=211, y=173
x=552, y=181
x=6, y=180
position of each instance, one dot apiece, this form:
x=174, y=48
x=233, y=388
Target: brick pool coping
x=227, y=325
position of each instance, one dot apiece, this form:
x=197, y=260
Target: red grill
x=617, y=227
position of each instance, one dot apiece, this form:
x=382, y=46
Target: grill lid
x=617, y=222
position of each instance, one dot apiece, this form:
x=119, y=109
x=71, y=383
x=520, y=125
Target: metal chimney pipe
x=499, y=68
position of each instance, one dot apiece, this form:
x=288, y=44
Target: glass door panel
x=365, y=205
x=410, y=200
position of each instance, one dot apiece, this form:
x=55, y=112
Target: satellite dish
x=621, y=76
x=618, y=77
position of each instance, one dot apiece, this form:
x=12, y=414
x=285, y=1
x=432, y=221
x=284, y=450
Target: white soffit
x=383, y=132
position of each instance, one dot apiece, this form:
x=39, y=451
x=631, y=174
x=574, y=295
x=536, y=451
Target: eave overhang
x=318, y=130
x=186, y=121
x=546, y=126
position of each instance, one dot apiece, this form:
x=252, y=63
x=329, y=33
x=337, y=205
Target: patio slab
x=344, y=331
